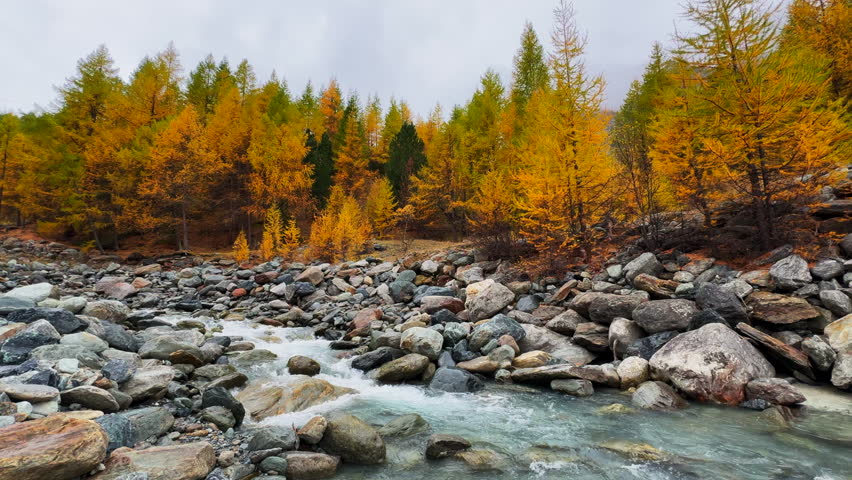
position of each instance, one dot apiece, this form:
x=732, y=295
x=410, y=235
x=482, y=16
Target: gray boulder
x=607, y=307
x=662, y=315
x=790, y=273
x=487, y=298
x=724, y=302
x=353, y=440
x=455, y=380
x=657, y=396
x=493, y=329
x=646, y=263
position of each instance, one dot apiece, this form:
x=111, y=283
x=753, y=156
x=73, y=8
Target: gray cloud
x=424, y=52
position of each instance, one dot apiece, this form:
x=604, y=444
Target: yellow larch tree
x=241, y=250
x=341, y=230
x=380, y=205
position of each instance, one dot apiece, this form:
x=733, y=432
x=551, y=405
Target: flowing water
x=539, y=434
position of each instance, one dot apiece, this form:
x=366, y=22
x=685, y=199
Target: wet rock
x=251, y=357
x=487, y=298
x=780, y=309
x=633, y=371
x=221, y=397
x=189, y=461
x=711, y=364
x=841, y=374
x=493, y=329
x=535, y=358
x=353, y=440
x=455, y=380
x=558, y=346
x=376, y=358
x=269, y=438
x=273, y=465
x=657, y=396
x=773, y=390
x=790, y=273
x=820, y=353
x=573, y=386
x=312, y=431
x=261, y=399
x=482, y=365
x=402, y=369
x=301, y=365
x=663, y=315
x=148, y=382
x=423, y=341
x=442, y=445
x=149, y=422
x=310, y=465
x=404, y=426
x=219, y=416
x=544, y=374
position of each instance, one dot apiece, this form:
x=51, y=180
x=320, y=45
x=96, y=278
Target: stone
x=493, y=329
x=774, y=390
x=836, y=301
x=713, y=297
x=33, y=293
x=657, y=396
x=827, y=269
x=424, y=341
x=622, y=333
x=62, y=320
x=119, y=431
x=662, y=315
x=353, y=440
x=219, y=416
x=487, y=298
x=592, y=336
x=55, y=447
x=221, y=397
x=646, y=263
x=301, y=365
x=85, y=340
x=558, y=346
x=841, y=374
x=544, y=374
x=565, y=323
x=362, y=323
x=163, y=347
x=705, y=317
x=23, y=392
x=791, y=357
x=12, y=304
x=573, y=386
x=820, y=353
x=119, y=371
x=401, y=369
x=790, y=273
x=310, y=465
x=312, y=431
x=251, y=357
x=261, y=399
x=187, y=461
x=442, y=445
x=148, y=382
x=646, y=347
x=269, y=438
x=273, y=464
x=839, y=333
x=401, y=291
x=633, y=371
x=148, y=422
x=433, y=303
x=535, y=358
x=711, y=364
x=607, y=307
x=111, y=310
x=780, y=309
x=376, y=358
x=20, y=346
x=483, y=365
x=312, y=274
x=90, y=397
x=657, y=288
x=404, y=426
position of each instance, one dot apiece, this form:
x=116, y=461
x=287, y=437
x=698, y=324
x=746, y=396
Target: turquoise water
x=538, y=434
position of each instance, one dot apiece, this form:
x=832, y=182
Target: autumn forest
x=748, y=112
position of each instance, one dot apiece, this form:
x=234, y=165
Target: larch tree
x=775, y=134
x=530, y=68
x=351, y=166
x=200, y=87
x=331, y=108
x=380, y=205
x=180, y=170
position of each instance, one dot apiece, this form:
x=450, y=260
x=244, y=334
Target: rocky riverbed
x=449, y=366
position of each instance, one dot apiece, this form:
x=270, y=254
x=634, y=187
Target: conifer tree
x=241, y=250
x=406, y=157
x=380, y=206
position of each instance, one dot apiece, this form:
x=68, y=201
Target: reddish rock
x=360, y=325
x=431, y=304
x=239, y=292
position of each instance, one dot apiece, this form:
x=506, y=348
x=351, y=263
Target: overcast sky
x=423, y=51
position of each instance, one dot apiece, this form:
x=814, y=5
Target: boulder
x=55, y=447
x=780, y=309
x=663, y=315
x=841, y=374
x=21, y=345
x=261, y=399
x=314, y=275
x=90, y=397
x=656, y=287
x=62, y=320
x=493, y=329
x=713, y=297
x=404, y=426
x=376, y=358
x=302, y=365
x=622, y=333
x=573, y=386
x=544, y=374
x=353, y=440
x=839, y=333
x=268, y=438
x=633, y=371
x=111, y=310
x=836, y=301
x=827, y=269
x=23, y=392
x=425, y=341
x=221, y=397
x=607, y=307
x=711, y=364
x=187, y=461
x=646, y=347
x=774, y=390
x=148, y=382
x=535, y=358
x=148, y=422
x=657, y=396
x=558, y=346
x=85, y=340
x=790, y=273
x=820, y=353
x=442, y=445
x=566, y=322
x=487, y=298
x=433, y=303
x=401, y=369
x=646, y=263
x=33, y=293
x=312, y=431
x=310, y=465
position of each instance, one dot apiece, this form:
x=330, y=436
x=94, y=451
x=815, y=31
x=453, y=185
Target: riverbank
x=660, y=366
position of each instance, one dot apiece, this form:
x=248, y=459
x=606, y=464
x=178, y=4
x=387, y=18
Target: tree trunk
x=183, y=227
x=95, y=235
x=3, y=174
x=761, y=216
